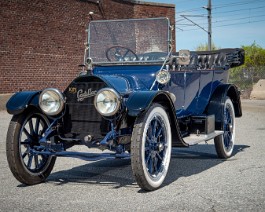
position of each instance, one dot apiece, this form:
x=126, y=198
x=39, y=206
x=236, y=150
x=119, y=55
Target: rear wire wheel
x=151, y=147
x=23, y=136
x=224, y=144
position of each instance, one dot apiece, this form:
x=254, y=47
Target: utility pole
x=209, y=31
x=209, y=9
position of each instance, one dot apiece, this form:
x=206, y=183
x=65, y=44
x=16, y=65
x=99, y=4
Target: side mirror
x=184, y=57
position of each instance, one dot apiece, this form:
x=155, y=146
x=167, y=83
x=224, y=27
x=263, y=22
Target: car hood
x=123, y=84
x=128, y=78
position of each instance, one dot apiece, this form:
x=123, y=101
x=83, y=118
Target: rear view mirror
x=184, y=57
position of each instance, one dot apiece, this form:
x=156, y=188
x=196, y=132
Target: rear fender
x=216, y=104
x=21, y=100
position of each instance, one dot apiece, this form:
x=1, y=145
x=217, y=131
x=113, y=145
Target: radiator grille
x=82, y=117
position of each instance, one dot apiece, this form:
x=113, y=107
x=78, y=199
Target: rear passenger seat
x=203, y=62
x=212, y=61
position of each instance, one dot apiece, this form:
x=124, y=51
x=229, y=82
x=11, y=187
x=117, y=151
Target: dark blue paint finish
x=192, y=88
x=191, y=91
x=221, y=76
x=119, y=83
x=205, y=90
x=20, y=101
x=139, y=101
x=139, y=77
x=177, y=86
x=216, y=104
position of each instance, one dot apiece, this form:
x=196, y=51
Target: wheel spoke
x=150, y=165
x=36, y=161
x=43, y=159
x=37, y=125
x=149, y=141
x=229, y=120
x=31, y=127
x=43, y=131
x=227, y=139
x=27, y=134
x=24, y=154
x=158, y=132
x=30, y=161
x=155, y=164
x=154, y=125
x=148, y=159
x=159, y=156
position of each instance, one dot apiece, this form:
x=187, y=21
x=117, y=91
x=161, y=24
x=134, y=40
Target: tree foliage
x=204, y=47
x=252, y=70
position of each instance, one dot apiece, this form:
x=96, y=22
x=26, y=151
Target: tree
x=204, y=47
x=252, y=70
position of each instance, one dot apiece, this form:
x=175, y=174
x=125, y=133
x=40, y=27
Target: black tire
x=151, y=149
x=224, y=144
x=23, y=134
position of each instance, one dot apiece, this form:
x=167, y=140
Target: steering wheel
x=118, y=53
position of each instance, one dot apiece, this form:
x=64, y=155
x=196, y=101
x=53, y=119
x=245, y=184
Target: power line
x=251, y=15
x=220, y=21
x=222, y=6
x=241, y=18
x=253, y=8
x=224, y=25
x=240, y=23
x=236, y=4
x=202, y=16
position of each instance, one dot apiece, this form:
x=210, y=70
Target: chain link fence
x=245, y=78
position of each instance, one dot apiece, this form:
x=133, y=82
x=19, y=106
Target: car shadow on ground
x=117, y=173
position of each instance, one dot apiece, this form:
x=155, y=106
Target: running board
x=194, y=139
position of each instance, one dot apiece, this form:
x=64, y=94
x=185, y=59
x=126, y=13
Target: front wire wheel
x=151, y=147
x=23, y=136
x=224, y=144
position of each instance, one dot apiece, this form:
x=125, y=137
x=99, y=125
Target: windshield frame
x=128, y=62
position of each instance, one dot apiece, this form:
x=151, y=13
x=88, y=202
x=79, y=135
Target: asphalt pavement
x=197, y=179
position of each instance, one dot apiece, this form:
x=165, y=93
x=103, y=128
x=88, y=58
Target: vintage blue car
x=135, y=98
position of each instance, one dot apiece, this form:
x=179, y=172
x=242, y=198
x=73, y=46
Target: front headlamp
x=107, y=102
x=163, y=77
x=51, y=101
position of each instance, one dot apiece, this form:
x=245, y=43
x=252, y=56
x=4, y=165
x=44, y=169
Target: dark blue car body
x=148, y=115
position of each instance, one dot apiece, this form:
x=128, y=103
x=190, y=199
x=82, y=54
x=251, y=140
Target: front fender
x=139, y=101
x=21, y=100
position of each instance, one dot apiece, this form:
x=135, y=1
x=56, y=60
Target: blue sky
x=234, y=23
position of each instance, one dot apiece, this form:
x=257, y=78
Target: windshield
x=129, y=41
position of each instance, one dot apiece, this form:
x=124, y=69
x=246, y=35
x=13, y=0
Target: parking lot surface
x=197, y=179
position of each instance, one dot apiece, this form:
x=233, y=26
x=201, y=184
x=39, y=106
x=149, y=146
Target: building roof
x=150, y=3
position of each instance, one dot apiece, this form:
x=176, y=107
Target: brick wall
x=149, y=11
x=42, y=41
